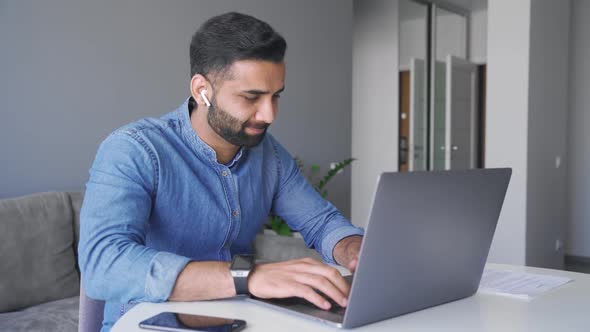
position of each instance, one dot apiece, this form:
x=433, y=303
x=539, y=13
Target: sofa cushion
x=36, y=250
x=76, y=199
x=276, y=248
x=58, y=316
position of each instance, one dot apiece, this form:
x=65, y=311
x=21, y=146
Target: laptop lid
x=427, y=241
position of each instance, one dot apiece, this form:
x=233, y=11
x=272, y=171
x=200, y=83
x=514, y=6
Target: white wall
x=578, y=161
x=507, y=119
x=412, y=39
x=528, y=43
x=374, y=99
x=548, y=104
x=451, y=35
x=478, y=37
x=73, y=71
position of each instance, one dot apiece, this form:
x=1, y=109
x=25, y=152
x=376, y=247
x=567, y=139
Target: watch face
x=240, y=273
x=241, y=263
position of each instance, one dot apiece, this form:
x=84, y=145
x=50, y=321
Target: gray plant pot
x=271, y=247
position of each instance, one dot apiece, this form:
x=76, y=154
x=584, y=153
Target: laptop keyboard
x=297, y=301
x=335, y=308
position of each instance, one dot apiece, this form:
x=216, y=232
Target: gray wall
x=73, y=71
x=578, y=162
x=374, y=99
x=547, y=134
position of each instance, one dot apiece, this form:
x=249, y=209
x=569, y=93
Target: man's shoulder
x=148, y=124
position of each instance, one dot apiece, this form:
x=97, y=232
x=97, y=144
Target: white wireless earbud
x=205, y=98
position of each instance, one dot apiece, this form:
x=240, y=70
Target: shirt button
x=224, y=173
x=234, y=213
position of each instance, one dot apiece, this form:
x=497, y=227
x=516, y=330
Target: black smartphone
x=172, y=321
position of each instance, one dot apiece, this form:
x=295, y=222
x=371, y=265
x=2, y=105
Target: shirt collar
x=193, y=139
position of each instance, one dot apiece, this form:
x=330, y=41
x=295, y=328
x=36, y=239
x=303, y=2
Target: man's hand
x=346, y=252
x=300, y=278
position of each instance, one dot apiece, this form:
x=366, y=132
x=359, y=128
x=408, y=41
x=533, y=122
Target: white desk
x=566, y=308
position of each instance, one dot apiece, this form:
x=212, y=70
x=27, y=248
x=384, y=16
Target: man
x=170, y=201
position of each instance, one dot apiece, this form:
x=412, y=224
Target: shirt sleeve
x=115, y=263
x=306, y=211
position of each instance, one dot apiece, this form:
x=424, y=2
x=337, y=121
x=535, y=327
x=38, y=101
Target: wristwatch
x=241, y=266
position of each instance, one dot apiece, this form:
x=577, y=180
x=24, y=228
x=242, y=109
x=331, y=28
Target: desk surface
x=566, y=308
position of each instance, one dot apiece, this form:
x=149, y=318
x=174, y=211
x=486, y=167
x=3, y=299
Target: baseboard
x=577, y=260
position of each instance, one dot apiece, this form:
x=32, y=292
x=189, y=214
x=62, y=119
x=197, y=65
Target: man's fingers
x=328, y=272
x=323, y=285
x=312, y=296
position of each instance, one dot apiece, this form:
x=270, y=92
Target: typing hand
x=300, y=278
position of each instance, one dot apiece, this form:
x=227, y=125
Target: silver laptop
x=426, y=243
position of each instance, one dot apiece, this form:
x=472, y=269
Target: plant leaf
x=331, y=173
x=284, y=230
x=280, y=226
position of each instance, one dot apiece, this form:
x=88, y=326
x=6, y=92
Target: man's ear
x=198, y=84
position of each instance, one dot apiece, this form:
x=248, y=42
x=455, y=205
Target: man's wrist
x=347, y=249
x=240, y=269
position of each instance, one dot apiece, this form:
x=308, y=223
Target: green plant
x=319, y=184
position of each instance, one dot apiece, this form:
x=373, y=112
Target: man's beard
x=231, y=129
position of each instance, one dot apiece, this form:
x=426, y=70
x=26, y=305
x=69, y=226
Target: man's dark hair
x=231, y=37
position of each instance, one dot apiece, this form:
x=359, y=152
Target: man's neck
x=224, y=150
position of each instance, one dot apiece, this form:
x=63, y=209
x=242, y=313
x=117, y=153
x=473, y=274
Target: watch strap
x=241, y=284
x=240, y=275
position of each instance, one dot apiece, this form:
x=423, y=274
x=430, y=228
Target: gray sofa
x=39, y=276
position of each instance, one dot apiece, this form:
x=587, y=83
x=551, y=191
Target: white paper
x=518, y=284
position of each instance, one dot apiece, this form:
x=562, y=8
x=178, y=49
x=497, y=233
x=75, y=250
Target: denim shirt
x=157, y=199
